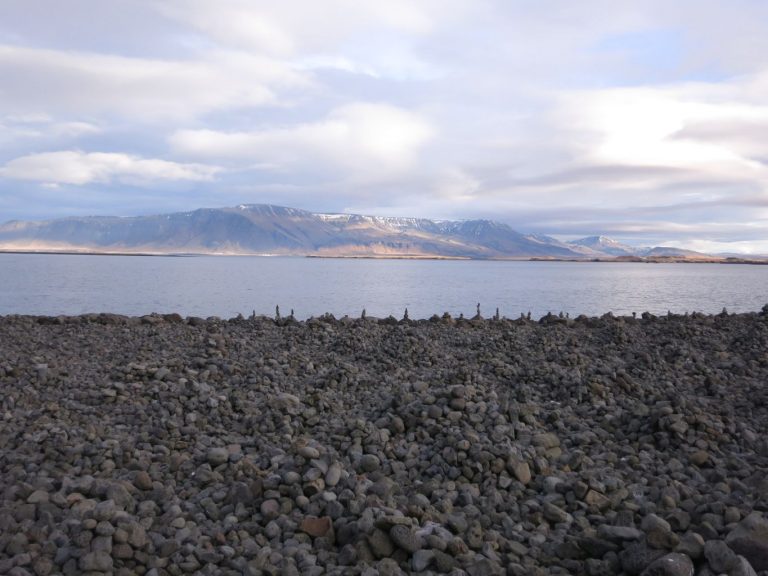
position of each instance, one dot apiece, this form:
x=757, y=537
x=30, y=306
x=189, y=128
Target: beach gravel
x=166, y=446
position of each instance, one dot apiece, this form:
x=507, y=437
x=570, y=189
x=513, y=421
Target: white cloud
x=358, y=36
x=360, y=140
x=80, y=168
x=13, y=129
x=695, y=147
x=658, y=126
x=73, y=129
x=293, y=27
x=149, y=90
x=707, y=246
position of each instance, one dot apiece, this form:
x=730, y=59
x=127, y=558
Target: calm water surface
x=226, y=286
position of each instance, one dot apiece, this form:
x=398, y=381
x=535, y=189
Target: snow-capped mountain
x=605, y=245
x=268, y=229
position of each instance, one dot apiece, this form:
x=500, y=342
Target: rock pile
x=598, y=446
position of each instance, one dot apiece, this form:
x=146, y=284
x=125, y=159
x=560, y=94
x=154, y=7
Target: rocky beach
x=164, y=445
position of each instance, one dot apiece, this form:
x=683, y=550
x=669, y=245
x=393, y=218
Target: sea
x=225, y=286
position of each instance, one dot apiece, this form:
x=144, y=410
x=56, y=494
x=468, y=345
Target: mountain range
x=277, y=230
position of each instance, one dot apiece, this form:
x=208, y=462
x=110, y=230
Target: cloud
x=662, y=125
x=648, y=118
x=13, y=128
x=744, y=247
x=697, y=145
x=145, y=89
x=293, y=27
x=80, y=168
x=360, y=140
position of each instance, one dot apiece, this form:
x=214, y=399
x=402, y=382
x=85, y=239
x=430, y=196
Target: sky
x=642, y=120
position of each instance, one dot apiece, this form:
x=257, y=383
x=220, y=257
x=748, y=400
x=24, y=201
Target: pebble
x=405, y=538
x=555, y=514
x=522, y=472
x=670, y=565
x=317, y=527
x=100, y=561
x=255, y=446
x=333, y=476
x=38, y=497
x=380, y=544
x=719, y=556
x=692, y=545
x=750, y=540
x=699, y=458
x=142, y=481
x=369, y=463
x=217, y=456
x=270, y=509
x=422, y=559
x=309, y=452
x=619, y=533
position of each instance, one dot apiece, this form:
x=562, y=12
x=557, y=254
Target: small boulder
x=673, y=564
x=719, y=556
x=750, y=539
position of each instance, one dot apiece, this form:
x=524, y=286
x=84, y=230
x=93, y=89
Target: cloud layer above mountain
x=640, y=120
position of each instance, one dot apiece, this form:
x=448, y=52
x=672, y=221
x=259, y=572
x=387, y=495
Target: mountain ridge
x=280, y=230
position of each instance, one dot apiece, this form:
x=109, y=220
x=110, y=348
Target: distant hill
x=278, y=230
x=669, y=251
x=605, y=245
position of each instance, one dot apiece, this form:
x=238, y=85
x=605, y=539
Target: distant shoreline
x=617, y=260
